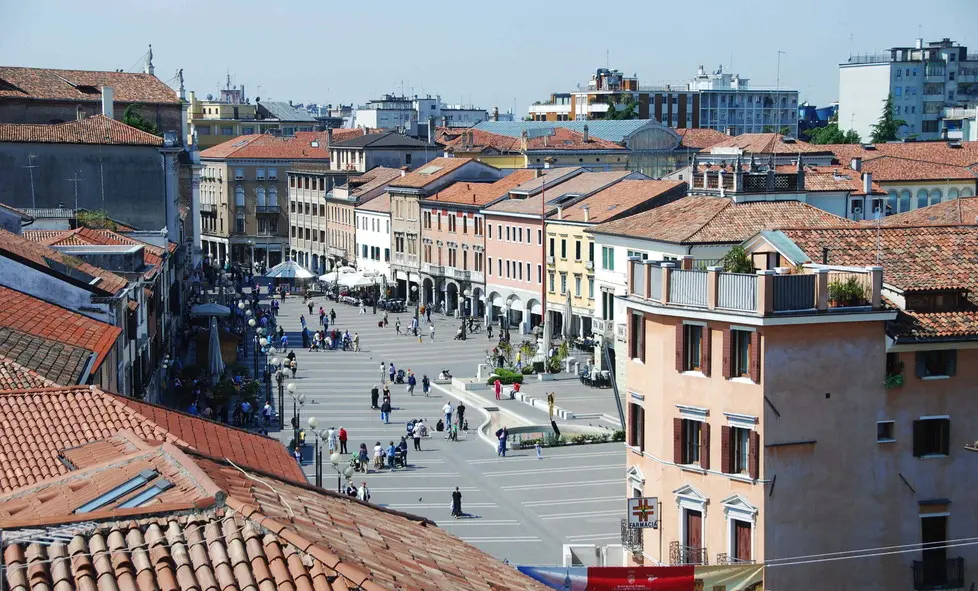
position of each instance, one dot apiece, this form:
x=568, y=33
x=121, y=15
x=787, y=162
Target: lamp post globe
x=291, y=387
x=251, y=322
x=312, y=422
x=241, y=305
x=334, y=459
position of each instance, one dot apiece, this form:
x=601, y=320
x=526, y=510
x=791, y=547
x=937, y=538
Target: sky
x=504, y=53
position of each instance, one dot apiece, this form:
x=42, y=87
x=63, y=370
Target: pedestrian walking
x=378, y=455
x=391, y=452
x=331, y=440
x=385, y=318
x=457, y=503
x=498, y=387
x=383, y=372
x=391, y=372
x=460, y=415
x=539, y=451
x=428, y=313
x=293, y=368
x=447, y=410
x=425, y=385
x=284, y=342
x=411, y=382
x=385, y=411
x=416, y=435
x=342, y=436
x=374, y=397
x=397, y=326
x=502, y=435
x=363, y=308
x=364, y=493
x=356, y=342
x=403, y=447
x=332, y=316
x=489, y=330
x=310, y=307
x=431, y=331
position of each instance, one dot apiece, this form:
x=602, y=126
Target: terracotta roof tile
x=479, y=140
x=380, y=204
x=581, y=184
x=963, y=211
x=266, y=146
x=374, y=178
x=55, y=361
x=767, y=143
x=618, y=199
x=36, y=425
x=98, y=129
x=939, y=152
x=700, y=138
x=893, y=168
x=699, y=220
x=432, y=171
x=152, y=254
x=83, y=85
x=14, y=376
x=33, y=316
x=477, y=194
x=43, y=256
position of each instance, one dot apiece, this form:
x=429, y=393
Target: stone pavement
x=520, y=508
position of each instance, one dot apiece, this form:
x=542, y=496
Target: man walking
x=391, y=372
x=331, y=440
x=385, y=411
x=310, y=307
x=502, y=435
x=431, y=331
x=342, y=437
x=356, y=342
x=383, y=372
x=364, y=493
x=460, y=413
x=322, y=317
x=447, y=409
x=425, y=385
x=374, y=397
x=416, y=434
x=411, y=382
x=332, y=316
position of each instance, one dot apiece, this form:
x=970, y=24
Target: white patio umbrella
x=356, y=280
x=333, y=276
x=289, y=270
x=568, y=317
x=215, y=362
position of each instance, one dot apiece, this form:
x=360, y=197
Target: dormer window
x=937, y=301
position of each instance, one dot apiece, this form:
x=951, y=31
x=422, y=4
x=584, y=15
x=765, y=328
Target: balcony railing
x=336, y=251
x=432, y=269
x=460, y=274
x=934, y=575
x=210, y=208
x=268, y=209
x=631, y=538
x=761, y=294
x=680, y=555
x=724, y=559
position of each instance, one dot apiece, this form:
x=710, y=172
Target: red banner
x=742, y=577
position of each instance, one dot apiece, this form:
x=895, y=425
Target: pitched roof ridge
x=709, y=221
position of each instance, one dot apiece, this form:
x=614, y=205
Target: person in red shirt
x=342, y=438
x=498, y=386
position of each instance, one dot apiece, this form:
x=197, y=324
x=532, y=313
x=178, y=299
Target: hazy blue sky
x=504, y=53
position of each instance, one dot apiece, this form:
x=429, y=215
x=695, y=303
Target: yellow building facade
x=570, y=276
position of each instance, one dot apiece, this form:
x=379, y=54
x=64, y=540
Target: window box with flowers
x=894, y=372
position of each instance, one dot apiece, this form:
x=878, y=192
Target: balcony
x=208, y=208
x=766, y=293
x=336, y=251
x=680, y=555
x=459, y=274
x=268, y=209
x=933, y=575
x=631, y=538
x=432, y=269
x=724, y=559
x=477, y=277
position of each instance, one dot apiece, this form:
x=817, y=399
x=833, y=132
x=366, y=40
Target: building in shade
x=923, y=80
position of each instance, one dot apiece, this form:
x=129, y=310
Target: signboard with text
x=643, y=513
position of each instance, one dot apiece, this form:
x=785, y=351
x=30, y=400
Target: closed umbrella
x=215, y=361
x=568, y=317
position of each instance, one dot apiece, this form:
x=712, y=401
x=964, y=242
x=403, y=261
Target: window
x=261, y=196
x=508, y=228
x=407, y=159
x=885, y=431
x=577, y=250
x=239, y=197
x=563, y=248
x=118, y=492
x=637, y=253
x=451, y=223
x=465, y=225
x=490, y=230
x=934, y=364
x=563, y=284
x=499, y=267
x=590, y=251
x=931, y=437
x=608, y=258
x=540, y=275
x=740, y=354
x=518, y=267
x=519, y=233
x=692, y=347
x=552, y=251
x=636, y=426
x=551, y=281
x=736, y=451
x=273, y=196
x=239, y=174
x=259, y=174
x=539, y=237
x=273, y=174
x=693, y=440
x=239, y=223
x=509, y=267
x=293, y=231
x=590, y=288
x=636, y=337
x=387, y=255
x=489, y=266
x=577, y=286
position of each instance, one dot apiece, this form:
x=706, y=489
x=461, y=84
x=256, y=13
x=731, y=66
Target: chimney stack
x=560, y=212
x=587, y=213
x=495, y=114
x=108, y=100
x=856, y=164
x=868, y=183
x=329, y=136
x=586, y=136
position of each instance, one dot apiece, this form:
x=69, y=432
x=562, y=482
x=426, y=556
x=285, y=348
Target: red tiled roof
x=960, y=211
x=833, y=178
x=479, y=140
x=892, y=168
x=581, y=184
x=40, y=255
x=98, y=129
x=375, y=178
x=30, y=315
x=340, y=135
x=36, y=425
x=767, y=143
x=706, y=220
x=476, y=194
x=940, y=152
x=83, y=85
x=619, y=199
x=431, y=172
x=700, y=138
x=266, y=146
x=58, y=362
x=152, y=254
x=379, y=204
x=14, y=376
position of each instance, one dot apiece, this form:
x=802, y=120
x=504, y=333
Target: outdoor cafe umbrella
x=333, y=276
x=568, y=317
x=356, y=280
x=289, y=270
x=215, y=362
x=210, y=309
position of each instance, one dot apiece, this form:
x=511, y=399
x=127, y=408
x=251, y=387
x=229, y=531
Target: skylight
x=429, y=170
x=117, y=492
x=147, y=495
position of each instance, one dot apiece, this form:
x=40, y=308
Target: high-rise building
x=923, y=80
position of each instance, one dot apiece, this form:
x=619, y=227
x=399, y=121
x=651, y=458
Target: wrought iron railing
x=935, y=575
x=724, y=559
x=631, y=538
x=680, y=554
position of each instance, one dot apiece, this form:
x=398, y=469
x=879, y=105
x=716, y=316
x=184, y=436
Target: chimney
x=431, y=130
x=444, y=121
x=729, y=131
x=586, y=136
x=868, y=183
x=79, y=113
x=329, y=136
x=587, y=213
x=856, y=164
x=560, y=212
x=495, y=114
x=919, y=44
x=108, y=99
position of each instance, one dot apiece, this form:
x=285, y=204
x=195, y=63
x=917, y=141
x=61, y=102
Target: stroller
x=357, y=465
x=399, y=378
x=399, y=459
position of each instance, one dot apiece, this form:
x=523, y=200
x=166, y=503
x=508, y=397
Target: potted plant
x=846, y=293
x=894, y=377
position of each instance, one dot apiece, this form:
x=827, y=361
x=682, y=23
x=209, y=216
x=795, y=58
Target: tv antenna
x=74, y=179
x=30, y=169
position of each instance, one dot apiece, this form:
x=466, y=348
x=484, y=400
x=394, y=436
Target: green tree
x=133, y=118
x=737, y=261
x=831, y=134
x=629, y=111
x=885, y=130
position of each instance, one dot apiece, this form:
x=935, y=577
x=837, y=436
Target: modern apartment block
x=923, y=79
x=775, y=415
x=719, y=101
x=214, y=120
x=411, y=115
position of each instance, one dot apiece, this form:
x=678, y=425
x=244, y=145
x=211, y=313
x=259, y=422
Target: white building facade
x=924, y=81
x=410, y=115
x=373, y=236
x=730, y=105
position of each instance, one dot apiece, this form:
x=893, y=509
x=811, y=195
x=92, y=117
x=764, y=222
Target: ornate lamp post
x=297, y=402
x=334, y=459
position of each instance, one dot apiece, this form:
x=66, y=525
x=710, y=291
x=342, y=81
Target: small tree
x=133, y=118
x=831, y=134
x=98, y=220
x=885, y=130
x=737, y=261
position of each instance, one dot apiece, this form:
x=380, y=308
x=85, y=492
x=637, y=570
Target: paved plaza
x=521, y=508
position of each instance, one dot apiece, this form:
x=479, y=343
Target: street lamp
x=297, y=402
x=318, y=455
x=280, y=378
x=334, y=459
x=417, y=307
x=467, y=293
